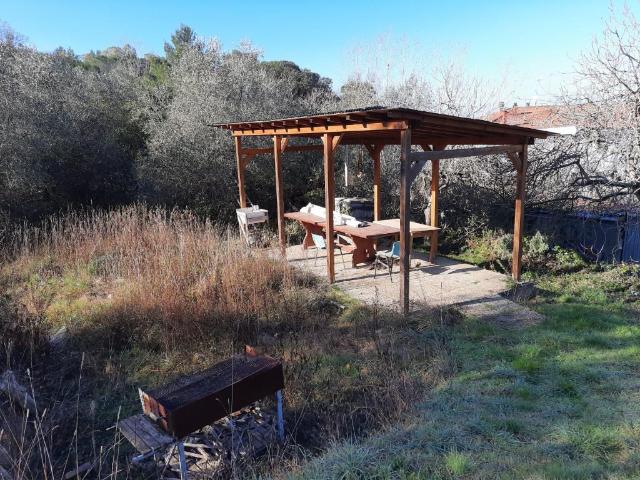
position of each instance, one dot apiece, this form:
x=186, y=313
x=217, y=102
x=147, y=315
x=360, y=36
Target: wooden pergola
x=374, y=128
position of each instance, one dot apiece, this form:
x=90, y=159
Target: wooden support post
x=435, y=191
x=329, y=202
x=375, y=151
x=377, y=194
x=405, y=207
x=521, y=173
x=277, y=157
x=240, y=165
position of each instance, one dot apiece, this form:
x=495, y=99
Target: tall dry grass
x=145, y=295
x=169, y=273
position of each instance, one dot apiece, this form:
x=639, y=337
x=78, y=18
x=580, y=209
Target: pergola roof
x=383, y=125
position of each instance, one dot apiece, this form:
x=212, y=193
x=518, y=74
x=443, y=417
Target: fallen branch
x=16, y=392
x=81, y=469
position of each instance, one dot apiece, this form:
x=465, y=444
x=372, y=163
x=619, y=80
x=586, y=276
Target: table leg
x=308, y=230
x=364, y=252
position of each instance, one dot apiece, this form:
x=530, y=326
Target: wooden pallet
x=143, y=433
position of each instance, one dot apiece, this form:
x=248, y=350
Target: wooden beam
x=335, y=141
x=434, y=208
x=465, y=152
x=240, y=165
x=416, y=167
x=393, y=138
x=420, y=159
x=322, y=129
x=277, y=157
x=329, y=203
x=515, y=160
x=405, y=208
x=287, y=148
x=284, y=143
x=375, y=151
x=516, y=264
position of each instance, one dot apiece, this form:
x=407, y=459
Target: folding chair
x=386, y=258
x=320, y=244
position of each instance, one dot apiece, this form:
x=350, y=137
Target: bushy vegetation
x=493, y=249
x=111, y=127
x=97, y=304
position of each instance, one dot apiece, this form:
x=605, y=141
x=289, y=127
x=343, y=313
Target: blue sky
x=533, y=42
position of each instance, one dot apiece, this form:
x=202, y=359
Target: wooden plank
x=143, y=434
x=516, y=264
x=240, y=165
x=323, y=129
x=329, y=203
x=405, y=207
x=277, y=157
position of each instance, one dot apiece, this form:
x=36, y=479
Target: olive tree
x=68, y=135
x=189, y=162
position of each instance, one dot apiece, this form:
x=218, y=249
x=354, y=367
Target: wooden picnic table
x=364, y=238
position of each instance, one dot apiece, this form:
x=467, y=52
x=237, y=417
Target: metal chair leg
x=280, y=416
x=344, y=267
x=183, y=461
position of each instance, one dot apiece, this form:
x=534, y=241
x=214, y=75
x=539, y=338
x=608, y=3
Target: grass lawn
x=559, y=400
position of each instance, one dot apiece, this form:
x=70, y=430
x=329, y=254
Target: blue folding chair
x=320, y=244
x=386, y=258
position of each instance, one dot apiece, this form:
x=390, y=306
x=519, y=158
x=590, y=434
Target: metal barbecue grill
x=192, y=402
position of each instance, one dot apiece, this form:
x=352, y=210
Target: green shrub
x=567, y=260
x=494, y=249
x=535, y=249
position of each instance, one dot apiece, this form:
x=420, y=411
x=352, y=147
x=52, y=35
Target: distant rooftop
x=532, y=116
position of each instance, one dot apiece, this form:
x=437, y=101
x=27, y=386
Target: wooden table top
x=304, y=217
x=374, y=230
x=417, y=229
x=370, y=232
